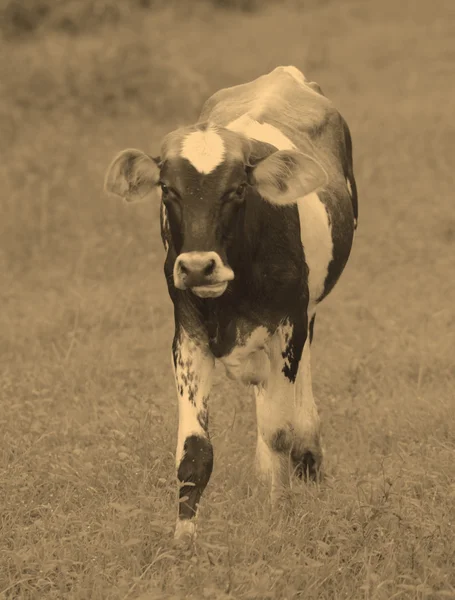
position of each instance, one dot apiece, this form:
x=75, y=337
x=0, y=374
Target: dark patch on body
x=339, y=211
x=195, y=468
x=342, y=234
x=313, y=318
x=221, y=329
x=292, y=353
x=349, y=168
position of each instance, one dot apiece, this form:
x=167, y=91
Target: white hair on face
x=205, y=150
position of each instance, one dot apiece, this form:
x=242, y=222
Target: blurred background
x=85, y=320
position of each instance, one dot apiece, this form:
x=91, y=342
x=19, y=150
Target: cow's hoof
x=308, y=465
x=185, y=533
x=279, y=498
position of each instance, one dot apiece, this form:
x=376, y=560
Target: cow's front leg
x=193, y=367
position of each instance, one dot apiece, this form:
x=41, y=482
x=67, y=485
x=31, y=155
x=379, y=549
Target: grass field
x=88, y=413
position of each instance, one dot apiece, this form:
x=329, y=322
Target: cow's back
x=284, y=99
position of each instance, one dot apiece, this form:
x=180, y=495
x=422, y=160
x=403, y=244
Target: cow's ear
x=133, y=176
x=255, y=151
x=287, y=175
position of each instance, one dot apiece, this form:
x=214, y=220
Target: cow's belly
x=249, y=362
x=316, y=236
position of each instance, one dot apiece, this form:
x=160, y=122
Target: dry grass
x=88, y=414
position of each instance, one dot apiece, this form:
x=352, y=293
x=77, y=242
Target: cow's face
x=204, y=176
x=204, y=183
x=201, y=210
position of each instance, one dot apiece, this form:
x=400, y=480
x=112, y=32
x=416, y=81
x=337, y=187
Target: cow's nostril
x=183, y=268
x=208, y=270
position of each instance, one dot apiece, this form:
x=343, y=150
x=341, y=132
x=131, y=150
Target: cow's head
x=203, y=176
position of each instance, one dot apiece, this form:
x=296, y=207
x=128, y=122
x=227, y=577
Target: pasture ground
x=88, y=411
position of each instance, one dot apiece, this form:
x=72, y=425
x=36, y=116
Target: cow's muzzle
x=202, y=272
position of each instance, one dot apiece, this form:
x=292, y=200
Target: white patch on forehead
x=316, y=236
x=205, y=150
x=263, y=132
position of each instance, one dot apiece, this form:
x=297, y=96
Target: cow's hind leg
x=287, y=418
x=193, y=367
x=306, y=453
x=272, y=464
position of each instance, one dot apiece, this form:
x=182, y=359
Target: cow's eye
x=240, y=191
x=235, y=195
x=164, y=188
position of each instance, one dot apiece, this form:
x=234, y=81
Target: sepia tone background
x=87, y=409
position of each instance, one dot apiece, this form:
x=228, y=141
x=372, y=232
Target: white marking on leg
x=193, y=378
x=274, y=412
x=185, y=529
x=307, y=419
x=205, y=150
x=263, y=132
x=193, y=375
x=272, y=467
x=286, y=415
x=316, y=236
x=263, y=451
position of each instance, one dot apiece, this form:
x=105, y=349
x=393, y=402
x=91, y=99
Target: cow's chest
x=248, y=361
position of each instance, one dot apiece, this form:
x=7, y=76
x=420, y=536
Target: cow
x=258, y=208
